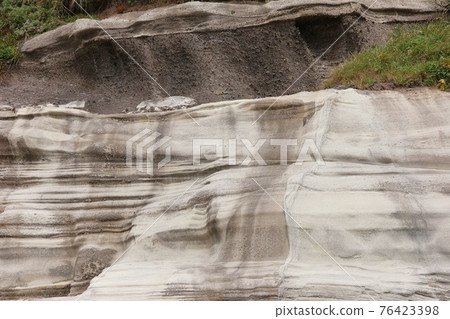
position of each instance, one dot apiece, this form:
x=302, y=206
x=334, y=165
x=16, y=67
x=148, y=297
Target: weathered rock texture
x=206, y=51
x=70, y=206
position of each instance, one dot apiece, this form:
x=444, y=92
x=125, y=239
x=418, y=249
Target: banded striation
x=77, y=222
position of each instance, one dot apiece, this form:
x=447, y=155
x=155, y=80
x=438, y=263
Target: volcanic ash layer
x=70, y=206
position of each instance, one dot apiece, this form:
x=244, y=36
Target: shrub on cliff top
x=19, y=21
x=23, y=19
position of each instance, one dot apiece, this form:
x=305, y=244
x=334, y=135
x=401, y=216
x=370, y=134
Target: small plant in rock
x=439, y=73
x=8, y=53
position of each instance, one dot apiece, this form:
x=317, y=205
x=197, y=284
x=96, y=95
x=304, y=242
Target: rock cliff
x=371, y=223
x=207, y=51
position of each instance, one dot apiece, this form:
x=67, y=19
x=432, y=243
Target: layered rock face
x=206, y=51
x=371, y=223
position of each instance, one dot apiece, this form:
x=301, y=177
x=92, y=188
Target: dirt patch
x=247, y=62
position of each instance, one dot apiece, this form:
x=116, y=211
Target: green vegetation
x=20, y=20
x=23, y=19
x=415, y=56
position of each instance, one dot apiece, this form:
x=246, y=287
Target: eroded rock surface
x=167, y=104
x=207, y=51
x=70, y=206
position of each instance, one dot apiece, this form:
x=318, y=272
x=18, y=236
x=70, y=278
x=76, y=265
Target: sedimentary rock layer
x=209, y=17
x=206, y=51
x=378, y=209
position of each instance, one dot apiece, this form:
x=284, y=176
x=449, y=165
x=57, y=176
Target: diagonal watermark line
x=138, y=239
x=132, y=59
x=316, y=60
x=315, y=241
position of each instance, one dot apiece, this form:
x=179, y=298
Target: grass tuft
x=415, y=56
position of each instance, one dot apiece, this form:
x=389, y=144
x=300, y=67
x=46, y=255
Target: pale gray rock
x=6, y=108
x=73, y=105
x=70, y=206
x=167, y=104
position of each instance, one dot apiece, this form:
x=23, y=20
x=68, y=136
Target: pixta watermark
x=142, y=147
